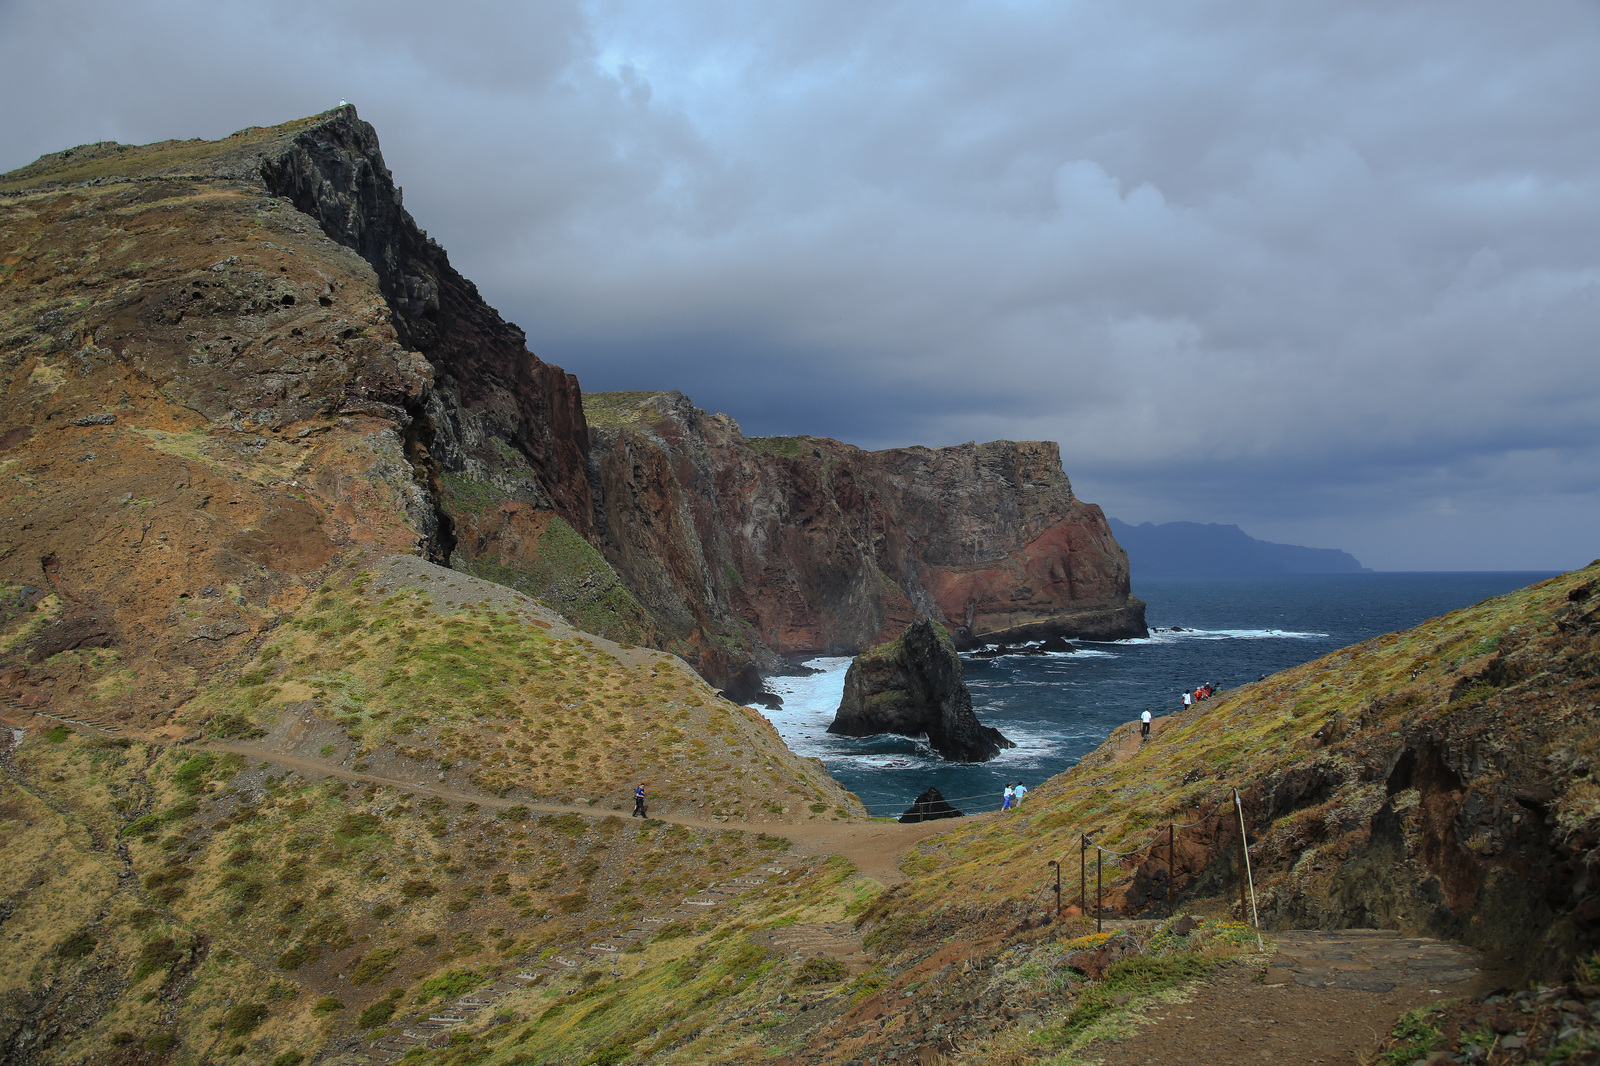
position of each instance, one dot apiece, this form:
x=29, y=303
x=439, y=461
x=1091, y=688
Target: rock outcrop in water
x=913, y=686
x=930, y=805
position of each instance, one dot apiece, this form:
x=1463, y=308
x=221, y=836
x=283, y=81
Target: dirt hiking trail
x=1325, y=997
x=874, y=847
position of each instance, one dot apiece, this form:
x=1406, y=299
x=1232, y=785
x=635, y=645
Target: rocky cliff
x=688, y=537
x=740, y=547
x=913, y=686
x=252, y=345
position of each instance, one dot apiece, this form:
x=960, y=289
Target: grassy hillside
x=387, y=812
x=429, y=673
x=610, y=409
x=410, y=786
x=1398, y=783
x=198, y=903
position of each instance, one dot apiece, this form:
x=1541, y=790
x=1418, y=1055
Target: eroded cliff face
x=205, y=403
x=803, y=545
x=497, y=412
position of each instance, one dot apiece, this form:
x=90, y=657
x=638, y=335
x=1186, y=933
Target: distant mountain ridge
x=1193, y=549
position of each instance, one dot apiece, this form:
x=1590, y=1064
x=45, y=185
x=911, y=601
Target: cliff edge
x=273, y=333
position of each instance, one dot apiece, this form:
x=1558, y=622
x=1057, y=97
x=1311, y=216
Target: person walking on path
x=1008, y=798
x=1144, y=725
x=1020, y=790
x=638, y=802
x=1188, y=699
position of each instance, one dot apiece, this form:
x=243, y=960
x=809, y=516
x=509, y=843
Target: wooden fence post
x=1172, y=884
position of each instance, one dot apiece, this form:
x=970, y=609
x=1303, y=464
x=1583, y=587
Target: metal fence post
x=1083, y=872
x=1172, y=884
x=1099, y=902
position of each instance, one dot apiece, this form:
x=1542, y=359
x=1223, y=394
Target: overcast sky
x=1329, y=271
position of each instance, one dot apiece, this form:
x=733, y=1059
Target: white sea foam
x=810, y=702
x=1167, y=636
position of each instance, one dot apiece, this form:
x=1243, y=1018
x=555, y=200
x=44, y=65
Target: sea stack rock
x=912, y=686
x=928, y=806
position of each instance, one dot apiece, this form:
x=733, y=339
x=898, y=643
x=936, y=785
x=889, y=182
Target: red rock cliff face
x=806, y=545
x=721, y=549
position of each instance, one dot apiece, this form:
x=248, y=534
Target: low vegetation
x=1314, y=752
x=455, y=675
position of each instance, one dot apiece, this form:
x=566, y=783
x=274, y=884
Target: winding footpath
x=1323, y=997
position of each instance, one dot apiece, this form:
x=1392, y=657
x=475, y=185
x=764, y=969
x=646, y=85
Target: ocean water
x=1058, y=707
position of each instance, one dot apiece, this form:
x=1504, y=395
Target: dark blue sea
x=1058, y=707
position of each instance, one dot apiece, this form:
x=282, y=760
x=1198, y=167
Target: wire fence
x=1162, y=835
x=982, y=803
x=1247, y=888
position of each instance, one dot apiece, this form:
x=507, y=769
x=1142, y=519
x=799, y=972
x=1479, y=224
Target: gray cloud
x=1326, y=270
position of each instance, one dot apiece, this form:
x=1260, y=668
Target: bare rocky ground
x=1323, y=997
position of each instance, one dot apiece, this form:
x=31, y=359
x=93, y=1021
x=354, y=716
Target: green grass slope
x=409, y=787
x=1409, y=781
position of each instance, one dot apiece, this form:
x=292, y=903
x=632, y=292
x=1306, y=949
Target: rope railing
x=989, y=797
x=1121, y=854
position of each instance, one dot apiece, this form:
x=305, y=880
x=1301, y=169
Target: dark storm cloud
x=1327, y=270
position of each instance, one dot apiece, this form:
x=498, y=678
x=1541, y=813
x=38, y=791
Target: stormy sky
x=1330, y=271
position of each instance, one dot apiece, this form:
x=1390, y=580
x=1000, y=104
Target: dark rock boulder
x=1094, y=962
x=912, y=686
x=928, y=806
